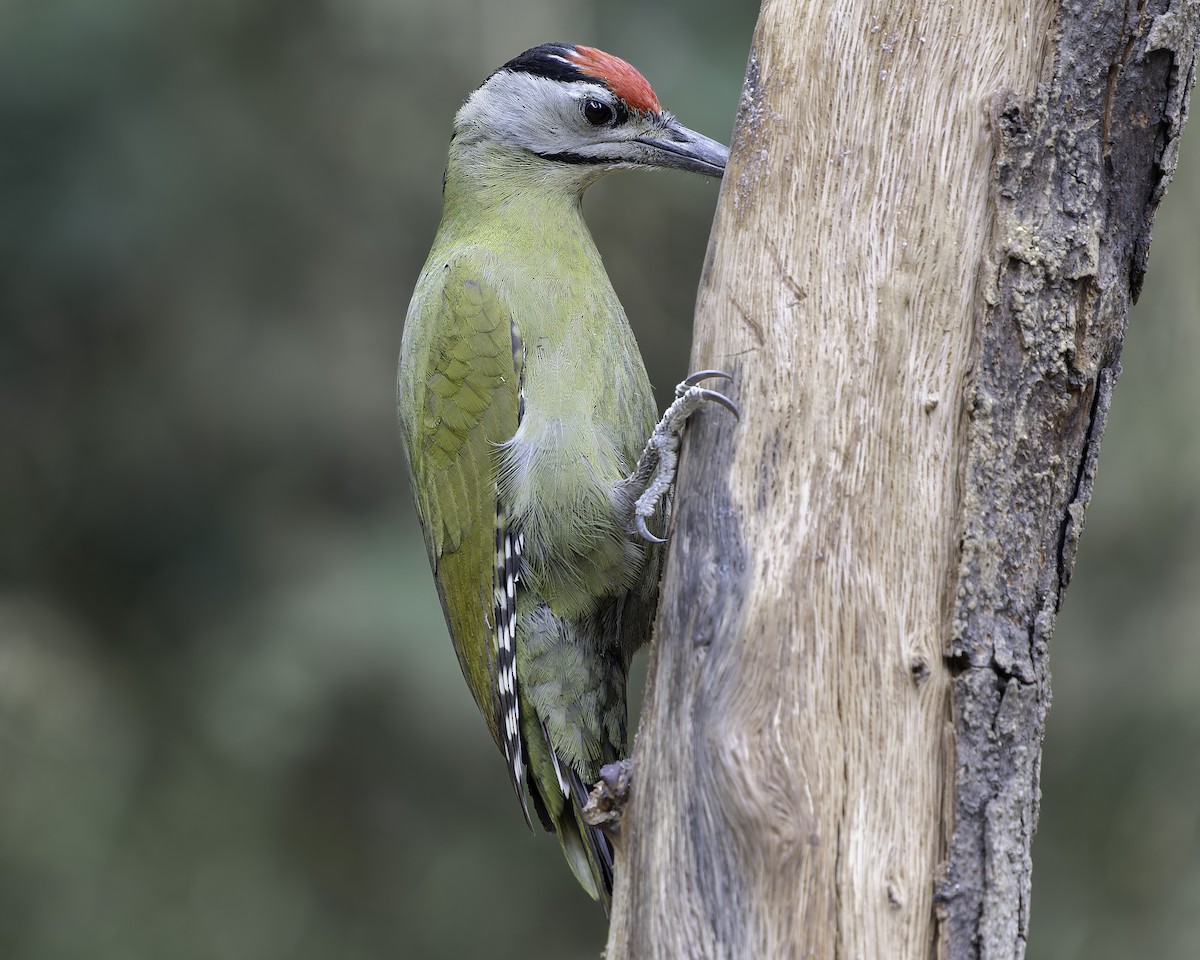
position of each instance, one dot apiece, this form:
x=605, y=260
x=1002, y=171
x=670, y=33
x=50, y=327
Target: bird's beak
x=677, y=147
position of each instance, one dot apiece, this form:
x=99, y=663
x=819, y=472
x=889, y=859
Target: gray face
x=581, y=123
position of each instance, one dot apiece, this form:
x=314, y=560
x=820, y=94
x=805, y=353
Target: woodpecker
x=526, y=414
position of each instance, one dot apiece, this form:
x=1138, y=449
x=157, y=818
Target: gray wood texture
x=931, y=228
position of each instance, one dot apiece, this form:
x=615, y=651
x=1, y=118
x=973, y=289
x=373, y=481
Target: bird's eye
x=598, y=114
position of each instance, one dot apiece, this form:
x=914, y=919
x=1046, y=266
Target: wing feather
x=461, y=383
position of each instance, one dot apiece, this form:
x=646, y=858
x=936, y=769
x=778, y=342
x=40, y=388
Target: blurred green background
x=231, y=724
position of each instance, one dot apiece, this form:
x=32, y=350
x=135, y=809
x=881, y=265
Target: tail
x=587, y=849
x=559, y=796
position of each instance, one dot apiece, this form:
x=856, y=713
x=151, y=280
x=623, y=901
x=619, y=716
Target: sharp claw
x=655, y=472
x=691, y=383
x=723, y=401
x=699, y=375
x=645, y=531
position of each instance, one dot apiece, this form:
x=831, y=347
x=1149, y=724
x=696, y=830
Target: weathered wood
x=925, y=243
x=1078, y=173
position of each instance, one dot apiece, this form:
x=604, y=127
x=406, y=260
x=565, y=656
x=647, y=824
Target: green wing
x=460, y=378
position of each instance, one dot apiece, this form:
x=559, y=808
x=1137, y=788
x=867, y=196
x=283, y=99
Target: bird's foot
x=657, y=464
x=609, y=797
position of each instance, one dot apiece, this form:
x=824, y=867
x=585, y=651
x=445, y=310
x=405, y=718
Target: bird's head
x=580, y=112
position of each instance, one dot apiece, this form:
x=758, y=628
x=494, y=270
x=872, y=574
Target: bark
x=1077, y=176
x=931, y=228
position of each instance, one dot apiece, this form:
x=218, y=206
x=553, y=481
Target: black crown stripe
x=548, y=60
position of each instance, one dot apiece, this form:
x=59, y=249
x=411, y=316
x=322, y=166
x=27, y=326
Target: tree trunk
x=934, y=219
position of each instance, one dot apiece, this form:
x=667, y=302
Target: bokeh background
x=231, y=724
